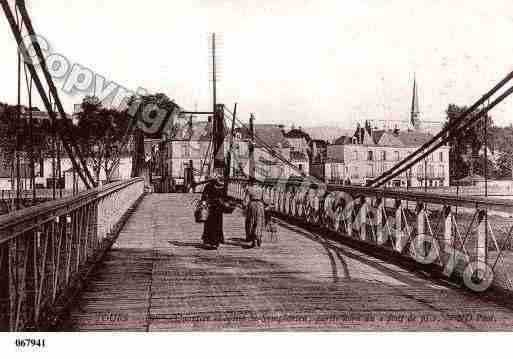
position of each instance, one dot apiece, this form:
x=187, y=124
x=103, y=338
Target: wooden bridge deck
x=156, y=277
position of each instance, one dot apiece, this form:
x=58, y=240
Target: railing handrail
x=435, y=198
x=55, y=208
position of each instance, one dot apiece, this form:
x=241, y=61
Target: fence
x=46, y=249
x=455, y=235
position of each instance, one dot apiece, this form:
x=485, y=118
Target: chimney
x=368, y=127
x=357, y=132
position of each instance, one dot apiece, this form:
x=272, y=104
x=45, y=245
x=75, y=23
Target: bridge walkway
x=157, y=277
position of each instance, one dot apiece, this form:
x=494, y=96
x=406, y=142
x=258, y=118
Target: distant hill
x=327, y=133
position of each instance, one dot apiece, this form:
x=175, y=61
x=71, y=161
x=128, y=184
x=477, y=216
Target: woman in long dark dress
x=213, y=194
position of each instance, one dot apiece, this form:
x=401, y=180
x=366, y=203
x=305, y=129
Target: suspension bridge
x=119, y=257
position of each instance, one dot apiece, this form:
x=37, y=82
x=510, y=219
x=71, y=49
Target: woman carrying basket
x=214, y=196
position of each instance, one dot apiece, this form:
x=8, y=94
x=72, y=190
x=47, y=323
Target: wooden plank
x=157, y=277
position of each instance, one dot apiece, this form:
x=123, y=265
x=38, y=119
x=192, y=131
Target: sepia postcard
x=272, y=167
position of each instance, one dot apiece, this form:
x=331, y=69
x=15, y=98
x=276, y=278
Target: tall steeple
x=415, y=113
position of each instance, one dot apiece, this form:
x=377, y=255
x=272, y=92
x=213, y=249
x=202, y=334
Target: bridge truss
x=26, y=38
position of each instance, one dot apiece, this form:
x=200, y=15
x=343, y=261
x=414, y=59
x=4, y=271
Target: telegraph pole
x=229, y=155
x=214, y=100
x=251, y=147
x=218, y=139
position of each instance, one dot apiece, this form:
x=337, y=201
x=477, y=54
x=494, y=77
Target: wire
x=386, y=177
x=269, y=149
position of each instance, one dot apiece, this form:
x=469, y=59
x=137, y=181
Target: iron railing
x=46, y=249
x=467, y=237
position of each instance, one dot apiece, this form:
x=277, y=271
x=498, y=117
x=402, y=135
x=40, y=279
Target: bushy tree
x=32, y=137
x=152, y=119
x=466, y=145
x=102, y=135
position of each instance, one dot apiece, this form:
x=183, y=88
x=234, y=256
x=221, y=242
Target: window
x=354, y=173
x=369, y=171
x=194, y=149
x=441, y=156
x=384, y=155
x=396, y=154
x=334, y=171
x=370, y=156
x=355, y=155
x=431, y=171
x=300, y=167
x=441, y=171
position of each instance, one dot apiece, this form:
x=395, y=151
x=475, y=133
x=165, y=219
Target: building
x=318, y=155
x=189, y=150
x=299, y=143
x=71, y=180
x=46, y=168
x=370, y=152
x=269, y=161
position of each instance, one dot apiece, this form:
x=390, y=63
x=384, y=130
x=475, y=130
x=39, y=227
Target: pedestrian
x=214, y=195
x=255, y=216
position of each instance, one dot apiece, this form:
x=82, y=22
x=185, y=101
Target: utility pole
x=218, y=139
x=214, y=77
x=229, y=155
x=251, y=147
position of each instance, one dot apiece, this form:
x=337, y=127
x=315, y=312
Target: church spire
x=415, y=113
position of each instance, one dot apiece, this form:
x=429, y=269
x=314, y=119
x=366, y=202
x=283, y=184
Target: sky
x=308, y=63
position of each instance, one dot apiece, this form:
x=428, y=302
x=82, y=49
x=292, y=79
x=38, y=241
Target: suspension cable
x=270, y=149
x=458, y=126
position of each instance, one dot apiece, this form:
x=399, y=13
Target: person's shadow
x=238, y=242
x=188, y=244
x=235, y=242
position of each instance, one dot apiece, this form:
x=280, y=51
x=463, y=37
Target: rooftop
x=271, y=134
x=385, y=138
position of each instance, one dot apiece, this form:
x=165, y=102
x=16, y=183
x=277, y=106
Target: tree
x=466, y=145
x=503, y=146
x=504, y=163
x=33, y=144
x=101, y=134
x=152, y=119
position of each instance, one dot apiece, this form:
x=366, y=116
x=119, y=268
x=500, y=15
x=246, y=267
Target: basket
x=201, y=212
x=228, y=207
